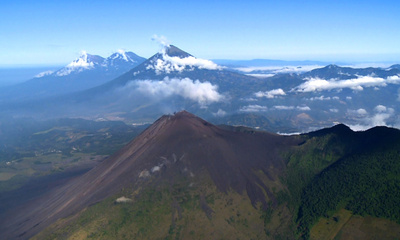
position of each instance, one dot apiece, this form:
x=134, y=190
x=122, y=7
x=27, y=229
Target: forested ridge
x=364, y=184
x=337, y=168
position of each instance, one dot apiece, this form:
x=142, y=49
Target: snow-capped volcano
x=119, y=60
x=85, y=61
x=85, y=72
x=121, y=57
x=172, y=59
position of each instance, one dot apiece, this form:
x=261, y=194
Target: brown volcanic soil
x=182, y=142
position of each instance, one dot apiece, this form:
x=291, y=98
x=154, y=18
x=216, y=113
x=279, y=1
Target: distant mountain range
x=294, y=99
x=268, y=62
x=85, y=72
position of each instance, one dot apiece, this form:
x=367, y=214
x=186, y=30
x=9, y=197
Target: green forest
x=365, y=183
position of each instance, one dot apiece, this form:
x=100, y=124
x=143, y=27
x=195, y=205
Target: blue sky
x=53, y=33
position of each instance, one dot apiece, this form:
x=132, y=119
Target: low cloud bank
x=271, y=94
x=253, y=108
x=278, y=69
x=300, y=108
x=170, y=64
x=259, y=108
x=358, y=84
x=379, y=117
x=203, y=93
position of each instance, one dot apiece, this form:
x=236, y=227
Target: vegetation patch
x=328, y=228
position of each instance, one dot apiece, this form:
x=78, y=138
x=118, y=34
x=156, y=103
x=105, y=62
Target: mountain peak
x=182, y=121
x=340, y=129
x=173, y=51
x=332, y=66
x=184, y=113
x=121, y=56
x=172, y=59
x=86, y=60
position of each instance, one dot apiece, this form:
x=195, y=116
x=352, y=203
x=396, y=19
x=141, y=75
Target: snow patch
x=78, y=65
x=45, y=73
x=123, y=55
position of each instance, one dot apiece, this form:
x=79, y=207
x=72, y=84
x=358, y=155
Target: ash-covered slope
x=173, y=145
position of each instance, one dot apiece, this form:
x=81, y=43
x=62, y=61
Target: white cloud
x=202, y=92
x=358, y=84
x=253, y=108
x=380, y=108
x=394, y=79
x=300, y=108
x=162, y=40
x=304, y=108
x=361, y=112
x=348, y=98
x=271, y=94
x=334, y=110
x=170, y=64
x=261, y=75
x=378, y=119
x=320, y=98
x=220, y=113
x=249, y=99
x=284, y=107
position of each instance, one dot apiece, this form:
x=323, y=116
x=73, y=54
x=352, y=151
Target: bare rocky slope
x=174, y=145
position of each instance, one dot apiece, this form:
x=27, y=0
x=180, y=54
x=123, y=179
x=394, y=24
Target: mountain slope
x=174, y=147
x=186, y=178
